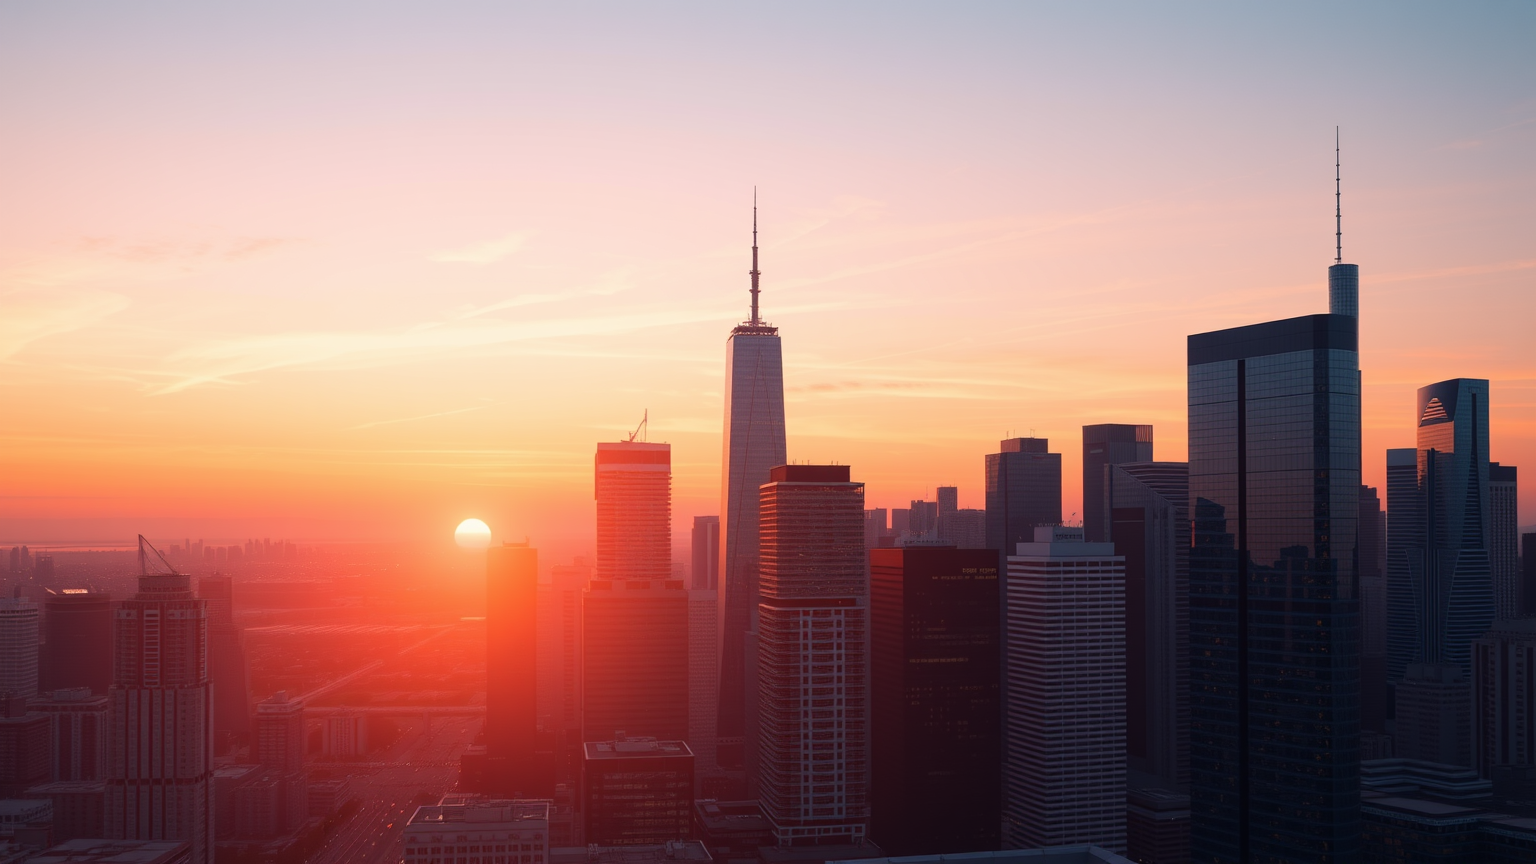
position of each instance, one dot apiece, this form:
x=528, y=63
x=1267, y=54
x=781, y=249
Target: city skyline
x=261, y=329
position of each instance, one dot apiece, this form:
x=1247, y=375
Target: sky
x=357, y=271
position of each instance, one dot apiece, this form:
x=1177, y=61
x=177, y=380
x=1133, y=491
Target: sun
x=472, y=534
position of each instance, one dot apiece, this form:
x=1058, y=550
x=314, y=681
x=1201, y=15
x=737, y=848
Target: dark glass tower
x=1274, y=480
x=1108, y=444
x=936, y=782
x=1023, y=492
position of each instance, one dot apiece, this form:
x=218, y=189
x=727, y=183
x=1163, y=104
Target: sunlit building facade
x=633, y=488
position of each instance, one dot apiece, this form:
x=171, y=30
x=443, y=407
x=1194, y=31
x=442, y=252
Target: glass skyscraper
x=1274, y=479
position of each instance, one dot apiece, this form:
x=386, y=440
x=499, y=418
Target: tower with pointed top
x=753, y=443
x=1343, y=279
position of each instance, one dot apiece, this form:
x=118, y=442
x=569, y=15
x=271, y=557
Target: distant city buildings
x=1274, y=480
x=813, y=667
x=18, y=646
x=935, y=669
x=1064, y=771
x=637, y=791
x=705, y=567
x=159, y=785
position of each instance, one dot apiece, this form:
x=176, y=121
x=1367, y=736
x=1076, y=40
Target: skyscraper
x=1148, y=509
x=227, y=668
x=280, y=750
x=706, y=552
x=813, y=672
x=1023, y=492
x=935, y=671
x=703, y=676
x=1405, y=563
x=77, y=720
x=159, y=772
x=514, y=764
x=1504, y=697
x=753, y=444
x=1065, y=674
x=1504, y=539
x=77, y=641
x=18, y=646
x=1375, y=695
x=637, y=791
x=1274, y=479
x=633, y=488
x=1107, y=444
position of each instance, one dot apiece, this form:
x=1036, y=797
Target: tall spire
x=1338, y=212
x=755, y=321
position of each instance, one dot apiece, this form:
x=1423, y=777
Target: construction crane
x=643, y=427
x=146, y=549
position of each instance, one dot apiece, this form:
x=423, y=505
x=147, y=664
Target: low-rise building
x=77, y=807
x=732, y=831
x=637, y=791
x=88, y=851
x=472, y=830
x=683, y=851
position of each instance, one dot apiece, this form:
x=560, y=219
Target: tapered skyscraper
x=753, y=443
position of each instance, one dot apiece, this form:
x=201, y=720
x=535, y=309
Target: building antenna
x=1338, y=212
x=754, y=272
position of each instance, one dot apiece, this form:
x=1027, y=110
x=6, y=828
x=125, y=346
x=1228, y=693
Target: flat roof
x=677, y=850
x=480, y=812
x=1049, y=855
x=631, y=748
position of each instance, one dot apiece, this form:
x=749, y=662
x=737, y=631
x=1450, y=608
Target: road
x=425, y=759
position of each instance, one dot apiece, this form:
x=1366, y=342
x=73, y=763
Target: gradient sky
x=363, y=270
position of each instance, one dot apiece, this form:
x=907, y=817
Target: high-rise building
x=1107, y=444
x=227, y=667
x=1528, y=574
x=753, y=444
x=1504, y=539
x=706, y=553
x=813, y=670
x=1457, y=603
x=635, y=659
x=947, y=504
x=77, y=641
x=935, y=672
x=1065, y=673
x=159, y=772
x=77, y=720
x=703, y=680
x=1434, y=715
x=1405, y=563
x=1374, y=692
x=18, y=646
x=637, y=791
x=1274, y=481
x=1147, y=504
x=280, y=750
x=24, y=740
x=876, y=527
x=1504, y=697
x=559, y=670
x=514, y=762
x=1023, y=492
x=633, y=488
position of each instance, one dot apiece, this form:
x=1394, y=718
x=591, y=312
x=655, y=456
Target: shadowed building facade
x=1108, y=444
x=514, y=765
x=77, y=641
x=935, y=665
x=1274, y=479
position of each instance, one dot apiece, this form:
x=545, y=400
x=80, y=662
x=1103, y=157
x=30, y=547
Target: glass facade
x=1274, y=478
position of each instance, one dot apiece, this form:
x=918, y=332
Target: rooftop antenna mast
x=1338, y=211
x=643, y=427
x=754, y=272
x=145, y=561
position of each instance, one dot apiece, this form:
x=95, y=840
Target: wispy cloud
x=488, y=252
x=29, y=315
x=420, y=417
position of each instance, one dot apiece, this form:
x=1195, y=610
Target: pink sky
x=365, y=271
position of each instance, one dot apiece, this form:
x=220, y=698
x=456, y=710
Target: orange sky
x=363, y=272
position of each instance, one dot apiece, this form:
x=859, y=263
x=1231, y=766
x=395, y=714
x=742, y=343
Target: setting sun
x=472, y=534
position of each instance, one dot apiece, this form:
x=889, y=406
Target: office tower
x=813, y=676
x=703, y=680
x=1274, y=481
x=77, y=732
x=23, y=747
x=635, y=659
x=279, y=749
x=227, y=668
x=18, y=646
x=480, y=822
x=706, y=552
x=1405, y=563
x=876, y=527
x=159, y=772
x=514, y=764
x=637, y=791
x=1504, y=697
x=559, y=668
x=1504, y=539
x=948, y=502
x=966, y=529
x=77, y=641
x=1147, y=504
x=1374, y=693
x=1156, y=826
x=1108, y=444
x=901, y=521
x=1528, y=574
x=924, y=519
x=753, y=444
x=1065, y=673
x=935, y=670
x=1023, y=492
x=633, y=489
x=1434, y=715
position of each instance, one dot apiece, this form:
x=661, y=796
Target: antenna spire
x=1338, y=212
x=755, y=321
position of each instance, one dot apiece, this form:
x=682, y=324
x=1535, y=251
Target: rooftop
x=629, y=748
x=1049, y=855
x=676, y=850
x=115, y=852
x=480, y=811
